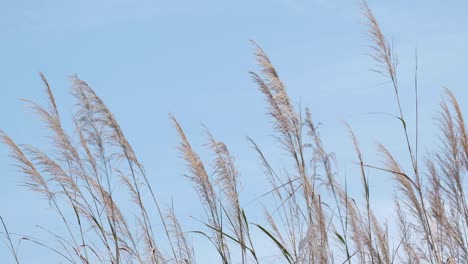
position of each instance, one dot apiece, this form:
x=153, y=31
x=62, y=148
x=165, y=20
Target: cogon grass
x=313, y=220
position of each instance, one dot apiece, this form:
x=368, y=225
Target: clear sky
x=148, y=58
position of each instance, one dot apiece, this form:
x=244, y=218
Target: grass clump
x=314, y=219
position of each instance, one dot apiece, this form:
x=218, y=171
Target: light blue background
x=191, y=58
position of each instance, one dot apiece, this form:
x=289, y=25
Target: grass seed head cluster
x=313, y=221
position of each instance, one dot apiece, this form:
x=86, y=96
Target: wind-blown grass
x=314, y=219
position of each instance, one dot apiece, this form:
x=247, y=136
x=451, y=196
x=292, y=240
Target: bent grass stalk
x=310, y=218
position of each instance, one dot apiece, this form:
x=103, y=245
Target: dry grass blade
x=383, y=54
x=105, y=201
x=198, y=172
x=36, y=181
x=205, y=190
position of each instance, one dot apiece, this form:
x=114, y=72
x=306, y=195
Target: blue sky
x=191, y=58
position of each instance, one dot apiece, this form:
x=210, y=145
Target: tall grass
x=314, y=219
